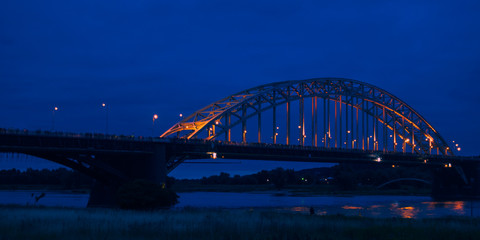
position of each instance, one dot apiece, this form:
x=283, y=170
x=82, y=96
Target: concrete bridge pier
x=151, y=167
x=457, y=182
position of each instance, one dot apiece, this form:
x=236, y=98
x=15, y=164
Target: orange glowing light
x=103, y=105
x=300, y=209
x=56, y=109
x=351, y=207
x=408, y=212
x=155, y=116
x=459, y=206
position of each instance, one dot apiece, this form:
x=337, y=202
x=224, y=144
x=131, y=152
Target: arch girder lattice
x=220, y=117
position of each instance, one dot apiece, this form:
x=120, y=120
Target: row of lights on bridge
x=155, y=117
x=104, y=106
x=379, y=159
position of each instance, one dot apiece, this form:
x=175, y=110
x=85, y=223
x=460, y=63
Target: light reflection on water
x=367, y=206
x=406, y=209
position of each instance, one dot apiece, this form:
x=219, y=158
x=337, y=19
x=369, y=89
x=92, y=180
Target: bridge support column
x=244, y=123
x=314, y=122
x=301, y=124
x=274, y=135
x=152, y=167
x=288, y=124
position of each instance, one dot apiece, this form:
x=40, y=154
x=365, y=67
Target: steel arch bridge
x=374, y=119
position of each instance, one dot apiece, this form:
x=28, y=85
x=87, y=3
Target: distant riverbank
x=193, y=223
x=299, y=189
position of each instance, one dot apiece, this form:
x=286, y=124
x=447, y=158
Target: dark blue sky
x=169, y=57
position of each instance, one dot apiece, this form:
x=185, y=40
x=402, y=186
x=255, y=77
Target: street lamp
x=104, y=106
x=155, y=117
x=53, y=117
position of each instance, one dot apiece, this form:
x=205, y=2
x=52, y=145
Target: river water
x=370, y=206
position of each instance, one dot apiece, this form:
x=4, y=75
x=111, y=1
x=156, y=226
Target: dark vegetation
x=60, y=178
x=343, y=177
x=62, y=223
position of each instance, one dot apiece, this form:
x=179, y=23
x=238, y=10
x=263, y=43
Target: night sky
x=170, y=57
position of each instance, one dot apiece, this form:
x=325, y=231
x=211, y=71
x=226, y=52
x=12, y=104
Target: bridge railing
x=203, y=141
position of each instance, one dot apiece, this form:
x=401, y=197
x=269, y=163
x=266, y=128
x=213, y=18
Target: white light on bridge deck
x=213, y=155
x=378, y=159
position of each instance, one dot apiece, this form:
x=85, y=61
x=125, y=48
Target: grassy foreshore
x=58, y=223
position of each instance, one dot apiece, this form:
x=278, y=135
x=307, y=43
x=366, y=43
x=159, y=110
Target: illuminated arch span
x=232, y=110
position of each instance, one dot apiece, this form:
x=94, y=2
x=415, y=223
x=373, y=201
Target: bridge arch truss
x=373, y=119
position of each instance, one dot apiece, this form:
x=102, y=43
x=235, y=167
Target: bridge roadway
x=84, y=152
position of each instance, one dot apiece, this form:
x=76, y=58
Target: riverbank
x=325, y=190
x=193, y=223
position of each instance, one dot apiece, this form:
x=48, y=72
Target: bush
x=145, y=195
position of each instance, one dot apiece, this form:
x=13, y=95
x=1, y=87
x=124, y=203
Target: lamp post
x=53, y=117
x=181, y=119
x=106, y=117
x=155, y=117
